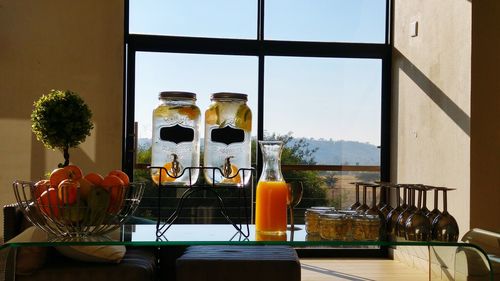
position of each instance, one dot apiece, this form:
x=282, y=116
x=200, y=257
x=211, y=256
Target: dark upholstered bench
x=241, y=263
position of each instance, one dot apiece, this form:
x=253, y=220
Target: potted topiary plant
x=62, y=120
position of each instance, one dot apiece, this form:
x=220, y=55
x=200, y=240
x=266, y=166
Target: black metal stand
x=163, y=225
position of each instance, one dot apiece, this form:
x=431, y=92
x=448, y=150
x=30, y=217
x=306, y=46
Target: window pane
x=333, y=104
x=200, y=74
x=197, y=18
x=326, y=20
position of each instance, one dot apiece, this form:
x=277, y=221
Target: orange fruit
x=94, y=178
x=234, y=177
x=122, y=175
x=212, y=115
x=57, y=176
x=114, y=185
x=164, y=176
x=111, y=180
x=244, y=118
x=68, y=172
x=67, y=191
x=49, y=203
x=85, y=188
x=40, y=187
x=74, y=172
x=190, y=112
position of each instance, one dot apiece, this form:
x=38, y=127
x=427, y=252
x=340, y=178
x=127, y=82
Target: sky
x=330, y=98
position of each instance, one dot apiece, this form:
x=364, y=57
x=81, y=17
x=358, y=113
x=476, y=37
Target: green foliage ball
x=61, y=119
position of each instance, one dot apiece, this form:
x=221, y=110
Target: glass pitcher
x=271, y=199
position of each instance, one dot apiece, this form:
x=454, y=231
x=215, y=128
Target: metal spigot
x=226, y=169
x=176, y=166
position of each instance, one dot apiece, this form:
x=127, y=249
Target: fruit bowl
x=75, y=212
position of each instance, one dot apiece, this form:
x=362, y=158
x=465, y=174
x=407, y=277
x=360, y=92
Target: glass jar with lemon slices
x=228, y=126
x=176, y=142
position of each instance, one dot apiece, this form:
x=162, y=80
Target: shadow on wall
x=38, y=158
x=451, y=109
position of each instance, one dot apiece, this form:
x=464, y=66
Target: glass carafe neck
x=271, y=160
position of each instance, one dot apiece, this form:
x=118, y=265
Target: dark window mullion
x=197, y=45
x=260, y=20
x=129, y=108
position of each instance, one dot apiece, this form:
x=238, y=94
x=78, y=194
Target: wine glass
x=373, y=210
x=361, y=209
x=405, y=197
x=400, y=226
x=435, y=212
x=444, y=226
x=382, y=200
x=294, y=196
x=392, y=217
x=424, y=189
x=356, y=204
x=417, y=226
x=386, y=207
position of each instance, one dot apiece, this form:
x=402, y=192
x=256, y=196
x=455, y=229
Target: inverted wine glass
x=423, y=207
x=435, y=212
x=384, y=192
x=417, y=226
x=444, y=226
x=401, y=224
x=373, y=210
x=356, y=204
x=392, y=217
x=363, y=207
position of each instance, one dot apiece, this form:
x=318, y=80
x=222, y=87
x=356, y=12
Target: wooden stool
x=241, y=263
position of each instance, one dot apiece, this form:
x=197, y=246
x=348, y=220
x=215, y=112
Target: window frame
x=260, y=48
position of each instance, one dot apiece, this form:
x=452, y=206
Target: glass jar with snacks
x=312, y=218
x=359, y=227
x=372, y=231
x=333, y=227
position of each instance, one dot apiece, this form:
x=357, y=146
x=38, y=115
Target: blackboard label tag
x=177, y=134
x=227, y=135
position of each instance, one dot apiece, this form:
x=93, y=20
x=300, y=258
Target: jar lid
x=373, y=217
x=360, y=218
x=320, y=210
x=228, y=95
x=348, y=212
x=332, y=216
x=177, y=95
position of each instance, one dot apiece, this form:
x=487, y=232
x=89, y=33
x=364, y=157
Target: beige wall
x=485, y=121
x=431, y=99
x=59, y=44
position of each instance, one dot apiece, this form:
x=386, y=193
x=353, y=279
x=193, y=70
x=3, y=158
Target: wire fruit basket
x=74, y=214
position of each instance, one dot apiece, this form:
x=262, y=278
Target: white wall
x=431, y=99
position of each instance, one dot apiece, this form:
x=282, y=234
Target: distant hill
x=329, y=152
x=343, y=152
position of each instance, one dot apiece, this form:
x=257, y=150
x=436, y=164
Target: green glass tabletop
x=198, y=234
x=460, y=254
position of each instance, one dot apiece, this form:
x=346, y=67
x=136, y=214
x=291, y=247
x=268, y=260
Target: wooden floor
x=358, y=270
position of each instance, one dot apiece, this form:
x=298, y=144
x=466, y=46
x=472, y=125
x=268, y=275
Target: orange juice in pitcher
x=271, y=199
x=270, y=213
